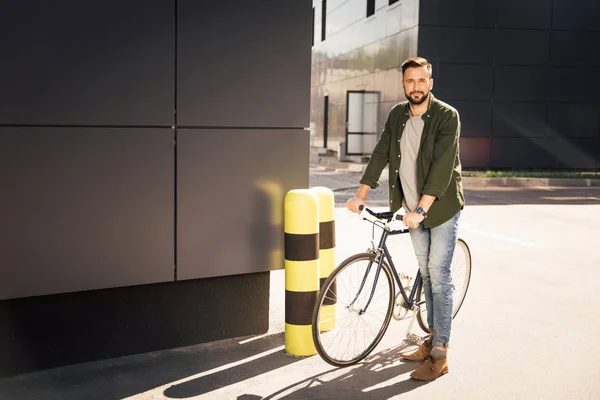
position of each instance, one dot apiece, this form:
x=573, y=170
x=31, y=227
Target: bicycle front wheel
x=460, y=270
x=353, y=310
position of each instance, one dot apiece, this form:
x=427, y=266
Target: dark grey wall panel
x=85, y=209
x=524, y=14
x=572, y=153
x=583, y=14
x=519, y=119
x=50, y=331
x=463, y=82
x=262, y=77
x=508, y=67
x=573, y=48
x=521, y=83
x=428, y=43
x=474, y=45
x=234, y=181
x=522, y=47
x=428, y=12
x=457, y=12
x=545, y=153
x=87, y=62
x=467, y=13
x=437, y=43
x=475, y=117
x=474, y=152
x=520, y=153
x=573, y=120
x=561, y=87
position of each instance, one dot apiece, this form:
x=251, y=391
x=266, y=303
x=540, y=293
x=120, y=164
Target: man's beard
x=417, y=102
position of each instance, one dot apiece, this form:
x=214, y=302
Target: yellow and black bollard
x=301, y=247
x=326, y=253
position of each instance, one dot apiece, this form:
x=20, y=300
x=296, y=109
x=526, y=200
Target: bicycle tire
x=335, y=311
x=460, y=270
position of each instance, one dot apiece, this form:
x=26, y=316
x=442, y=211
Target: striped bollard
x=326, y=253
x=301, y=227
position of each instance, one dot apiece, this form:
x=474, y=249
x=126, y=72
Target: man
x=420, y=144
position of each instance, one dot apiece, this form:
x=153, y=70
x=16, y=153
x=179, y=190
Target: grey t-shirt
x=409, y=149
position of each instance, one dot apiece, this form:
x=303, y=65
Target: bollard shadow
x=377, y=377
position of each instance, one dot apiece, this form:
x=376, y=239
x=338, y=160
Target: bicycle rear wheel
x=343, y=331
x=460, y=270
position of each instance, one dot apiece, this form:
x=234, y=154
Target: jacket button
x=393, y=186
x=396, y=170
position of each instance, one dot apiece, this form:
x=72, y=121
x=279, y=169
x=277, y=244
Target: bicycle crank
x=400, y=311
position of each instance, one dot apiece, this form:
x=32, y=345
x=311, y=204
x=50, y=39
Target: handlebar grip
x=361, y=208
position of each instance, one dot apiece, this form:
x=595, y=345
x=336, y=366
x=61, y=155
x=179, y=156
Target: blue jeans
x=434, y=248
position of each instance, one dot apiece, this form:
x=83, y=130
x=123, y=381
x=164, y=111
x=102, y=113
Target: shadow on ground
x=381, y=375
x=127, y=376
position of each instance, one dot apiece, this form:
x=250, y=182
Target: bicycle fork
x=379, y=258
x=357, y=310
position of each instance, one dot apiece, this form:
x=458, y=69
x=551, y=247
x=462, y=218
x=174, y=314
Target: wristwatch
x=420, y=210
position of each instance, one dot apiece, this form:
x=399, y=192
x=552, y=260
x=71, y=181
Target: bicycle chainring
x=399, y=312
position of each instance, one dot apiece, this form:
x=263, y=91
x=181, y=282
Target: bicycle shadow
x=376, y=377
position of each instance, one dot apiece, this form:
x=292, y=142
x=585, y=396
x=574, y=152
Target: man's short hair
x=417, y=62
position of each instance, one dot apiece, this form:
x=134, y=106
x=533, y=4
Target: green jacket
x=438, y=161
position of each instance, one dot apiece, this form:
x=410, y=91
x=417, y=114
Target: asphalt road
x=528, y=328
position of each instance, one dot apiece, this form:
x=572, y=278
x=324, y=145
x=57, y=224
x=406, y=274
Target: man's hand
x=412, y=219
x=359, y=199
x=354, y=203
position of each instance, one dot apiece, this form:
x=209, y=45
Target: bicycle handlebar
x=390, y=217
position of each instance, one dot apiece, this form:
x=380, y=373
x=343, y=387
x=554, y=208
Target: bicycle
x=357, y=294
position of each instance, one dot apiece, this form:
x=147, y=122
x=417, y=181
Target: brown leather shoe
x=431, y=369
x=421, y=353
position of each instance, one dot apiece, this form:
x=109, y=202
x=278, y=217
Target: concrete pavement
x=527, y=329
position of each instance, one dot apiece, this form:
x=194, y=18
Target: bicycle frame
x=382, y=253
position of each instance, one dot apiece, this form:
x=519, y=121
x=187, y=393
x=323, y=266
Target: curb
x=530, y=182
x=330, y=163
x=335, y=164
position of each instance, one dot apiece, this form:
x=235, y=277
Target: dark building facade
x=145, y=151
x=524, y=75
